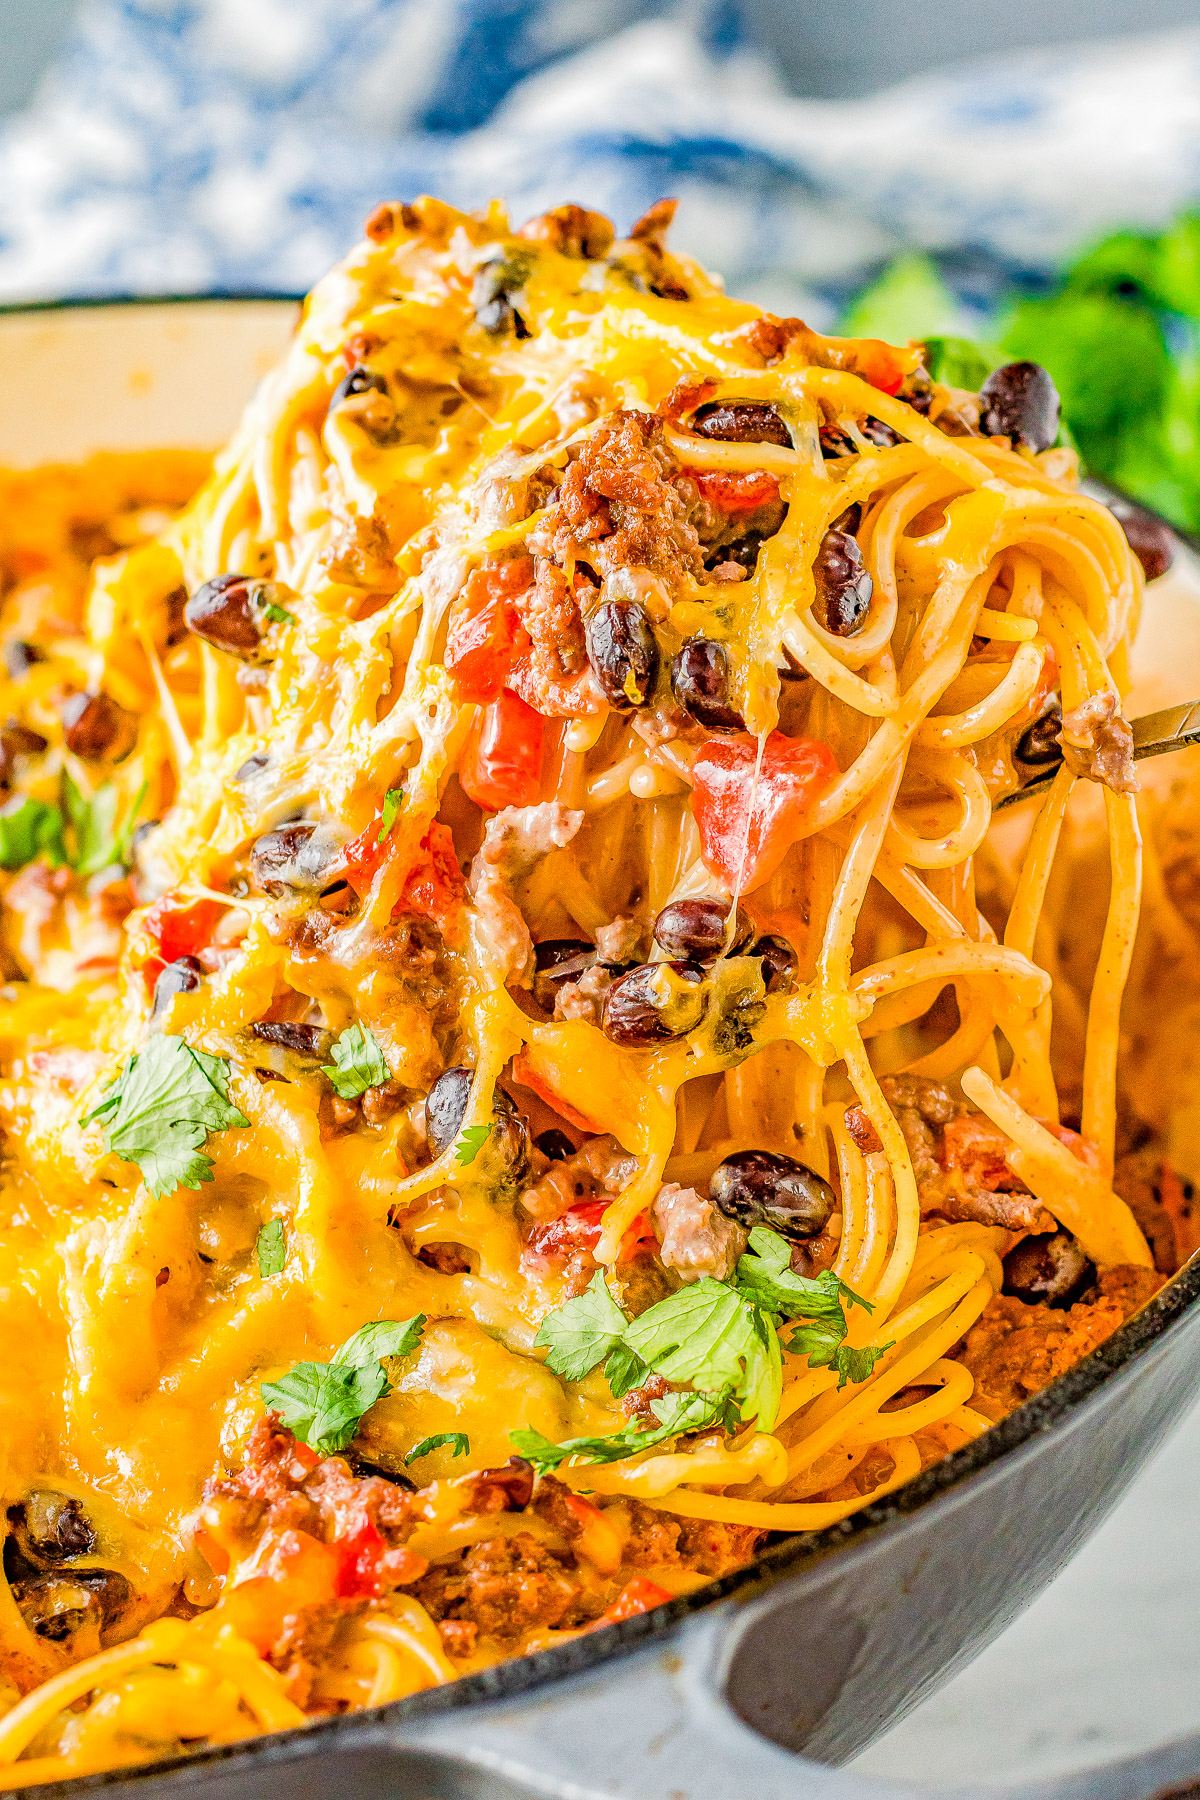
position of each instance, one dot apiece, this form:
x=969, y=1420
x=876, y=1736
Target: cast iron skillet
x=819, y=1646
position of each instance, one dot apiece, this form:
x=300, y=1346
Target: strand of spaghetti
x=881, y=1223
x=760, y=1456
x=907, y=1200
x=852, y=1173
x=259, y=1685
x=782, y=1515
x=851, y=394
x=1005, y=627
x=1010, y=694
x=1030, y=895
x=953, y=771
x=1108, y=984
x=18, y=1728
x=931, y=1346
x=1078, y=1197
x=977, y=1023
x=854, y=878
x=416, y=1635
x=844, y=684
x=955, y=1384
x=944, y=961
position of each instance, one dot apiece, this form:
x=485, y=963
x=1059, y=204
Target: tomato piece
x=360, y=1561
x=485, y=628
x=880, y=364
x=434, y=886
x=747, y=825
x=579, y=1229
x=735, y=490
x=502, y=760
x=637, y=1596
x=181, y=930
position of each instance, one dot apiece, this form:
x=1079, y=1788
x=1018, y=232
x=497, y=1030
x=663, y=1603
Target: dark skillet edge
x=787, y=1554
x=97, y=302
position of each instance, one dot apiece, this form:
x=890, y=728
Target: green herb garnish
x=358, y=1063
x=159, y=1112
x=471, y=1143
x=460, y=1445
x=324, y=1403
x=391, y=806
x=270, y=1246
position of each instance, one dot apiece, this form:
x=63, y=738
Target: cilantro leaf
x=623, y=1370
x=323, y=1403
x=766, y=1273
x=471, y=1143
x=856, y=1365
x=99, y=838
x=161, y=1108
x=385, y=1337
x=278, y=615
x=717, y=1338
x=270, y=1246
x=579, y=1334
x=391, y=806
x=29, y=829
x=677, y=1413
x=458, y=1440
x=358, y=1063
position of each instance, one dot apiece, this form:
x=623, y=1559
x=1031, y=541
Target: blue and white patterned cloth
x=191, y=145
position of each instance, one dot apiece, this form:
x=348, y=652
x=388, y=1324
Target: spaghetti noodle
x=495, y=963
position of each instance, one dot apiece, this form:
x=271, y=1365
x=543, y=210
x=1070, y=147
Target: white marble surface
x=1104, y=1664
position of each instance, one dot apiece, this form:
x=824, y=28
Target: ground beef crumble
x=958, y=1158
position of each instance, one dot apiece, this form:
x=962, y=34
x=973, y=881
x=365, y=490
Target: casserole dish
x=827, y=1639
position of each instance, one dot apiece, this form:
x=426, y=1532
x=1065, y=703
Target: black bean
x=57, y=1605
x=56, y=1527
x=358, y=381
x=253, y=765
x=17, y=740
x=95, y=726
x=1150, y=538
x=741, y=422
x=446, y=1105
x=1020, y=402
x=19, y=657
x=879, y=434
x=653, y=1004
x=551, y=953
x=304, y=1040
x=1048, y=1271
x=778, y=962
x=844, y=587
x=759, y=1187
x=1039, y=746
x=555, y=1144
x=700, y=683
x=496, y=283
x=622, y=650
x=295, y=859
x=235, y=613
x=743, y=551
x=183, y=976
x=696, y=929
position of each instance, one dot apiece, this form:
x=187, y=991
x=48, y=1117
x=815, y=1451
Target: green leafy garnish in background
x=358, y=1063
x=159, y=1112
x=86, y=835
x=270, y=1246
x=323, y=1403
x=1119, y=331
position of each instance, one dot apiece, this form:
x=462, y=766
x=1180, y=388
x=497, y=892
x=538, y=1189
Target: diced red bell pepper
x=434, y=886
x=485, y=628
x=745, y=825
x=181, y=930
x=735, y=490
x=579, y=1229
x=637, y=1596
x=360, y=1561
x=502, y=760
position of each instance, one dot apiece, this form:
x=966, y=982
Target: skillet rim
x=787, y=1554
